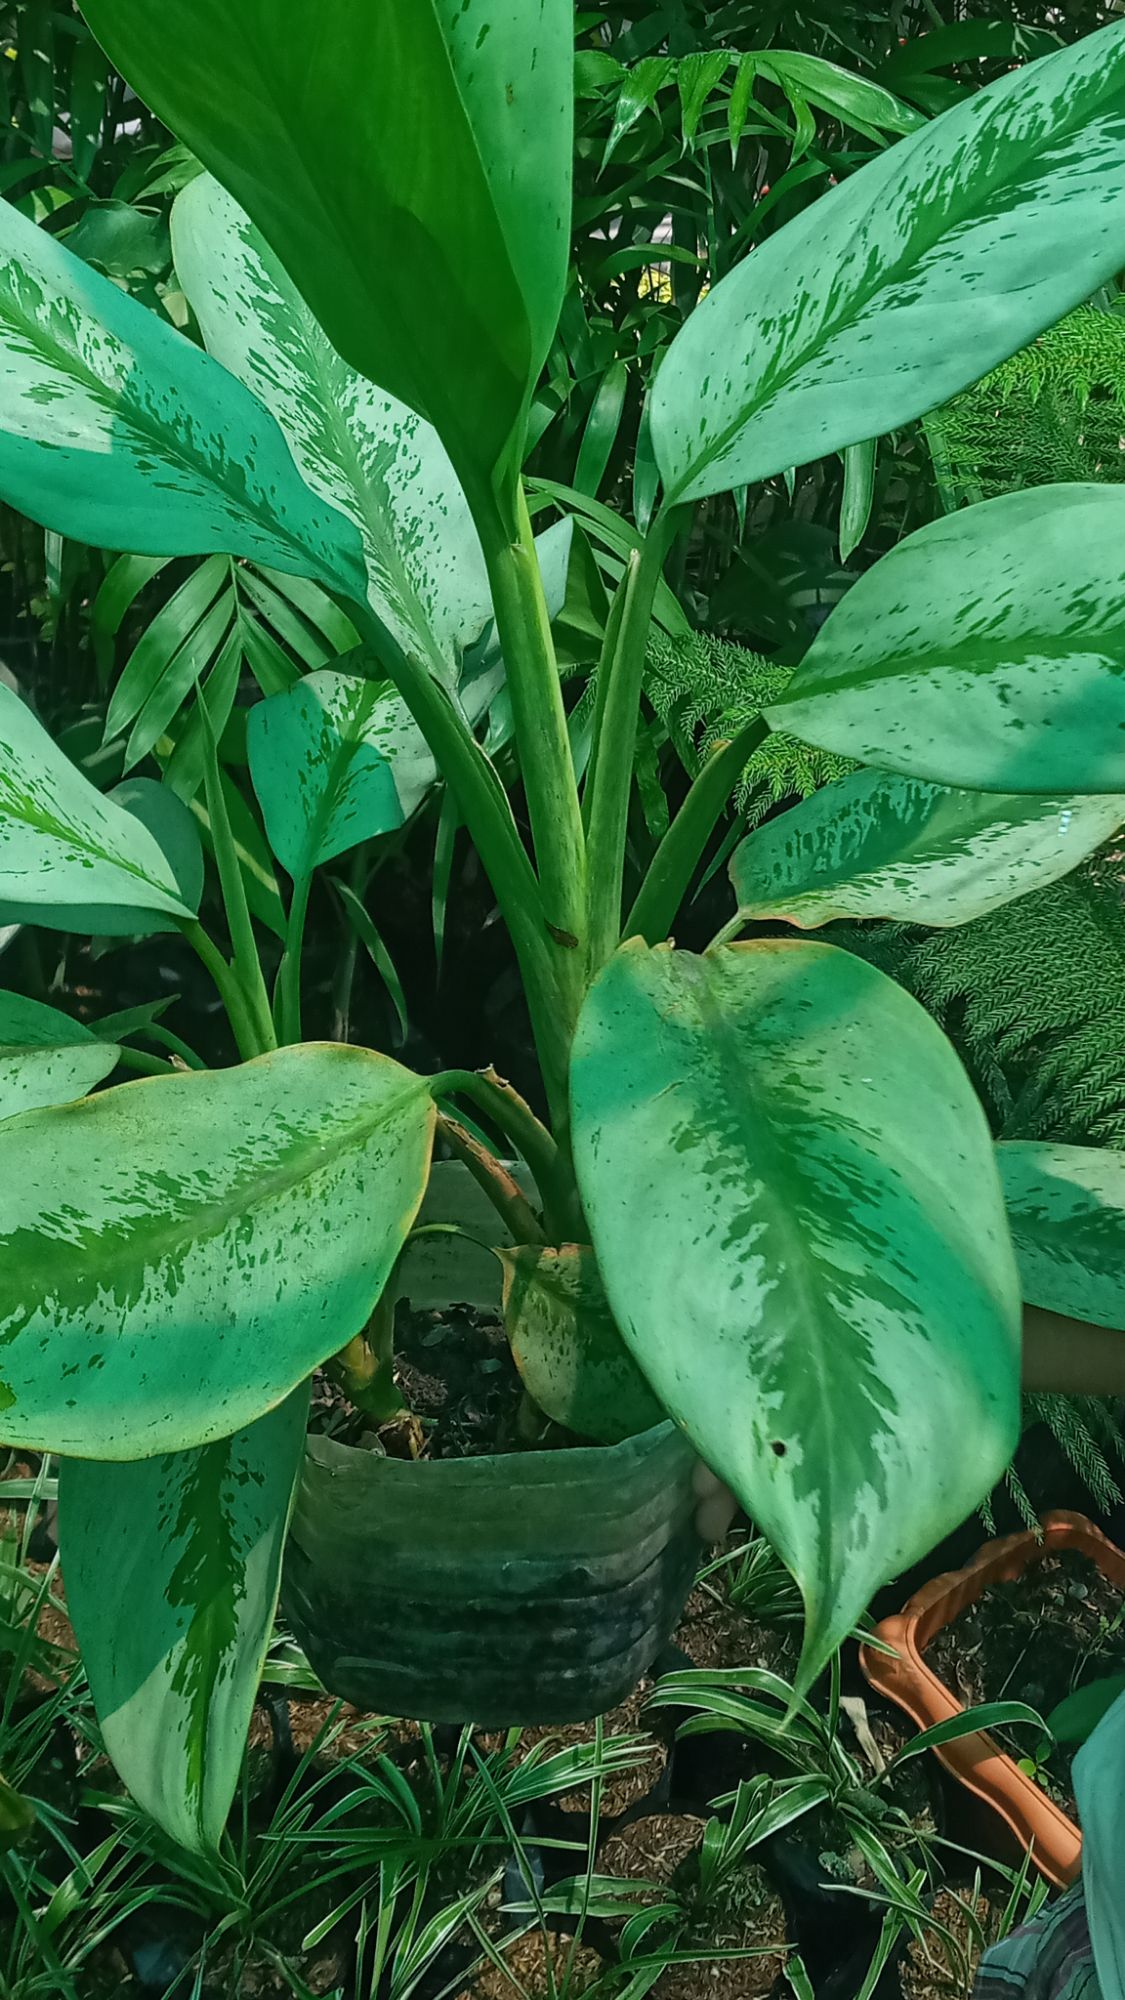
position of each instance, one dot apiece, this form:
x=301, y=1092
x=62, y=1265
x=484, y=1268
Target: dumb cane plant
x=796, y=1211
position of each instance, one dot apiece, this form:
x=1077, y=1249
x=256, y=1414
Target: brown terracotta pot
x=977, y=1761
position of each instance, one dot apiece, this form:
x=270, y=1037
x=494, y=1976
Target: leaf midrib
x=979, y=191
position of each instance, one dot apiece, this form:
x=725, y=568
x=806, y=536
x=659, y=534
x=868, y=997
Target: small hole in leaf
x=778, y=1449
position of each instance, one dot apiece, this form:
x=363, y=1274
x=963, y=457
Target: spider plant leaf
x=879, y=845
x=798, y=1221
x=45, y=1057
x=117, y=431
x=178, y=1254
x=172, y=1572
x=986, y=651
x=69, y=858
x=424, y=215
x=839, y=327
x=570, y=1355
x=1066, y=1207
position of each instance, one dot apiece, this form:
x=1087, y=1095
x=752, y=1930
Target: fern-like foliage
x=705, y=690
x=1055, y=411
x=1034, y=997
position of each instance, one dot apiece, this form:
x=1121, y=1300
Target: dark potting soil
x=461, y=1388
x=458, y=1378
x=1055, y=1628
x=747, y=1916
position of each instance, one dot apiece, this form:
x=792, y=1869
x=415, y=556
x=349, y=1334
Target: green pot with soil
x=470, y=1560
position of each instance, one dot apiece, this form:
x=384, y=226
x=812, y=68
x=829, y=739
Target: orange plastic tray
x=977, y=1760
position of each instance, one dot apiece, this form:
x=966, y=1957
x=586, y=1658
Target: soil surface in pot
x=1055, y=1628
x=461, y=1387
x=745, y=1915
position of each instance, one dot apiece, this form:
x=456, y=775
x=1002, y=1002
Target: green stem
x=245, y=963
x=229, y=990
x=146, y=1065
x=505, y=1194
x=681, y=850
x=287, y=993
x=513, y=1116
x=615, y=748
x=524, y=629
x=485, y=810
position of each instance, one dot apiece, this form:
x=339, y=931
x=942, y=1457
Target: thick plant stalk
x=486, y=812
x=524, y=629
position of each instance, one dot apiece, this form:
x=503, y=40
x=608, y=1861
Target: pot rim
x=530, y=1468
x=977, y=1761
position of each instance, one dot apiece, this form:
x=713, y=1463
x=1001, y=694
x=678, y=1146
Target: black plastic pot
x=532, y=1588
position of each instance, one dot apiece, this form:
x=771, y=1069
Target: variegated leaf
x=116, y=430
x=359, y=449
x=177, y=1254
x=879, y=845
x=334, y=761
x=420, y=199
x=1066, y=1207
x=987, y=650
x=172, y=1567
x=906, y=282
x=46, y=1058
x=64, y=849
x=570, y=1355
x=799, y=1224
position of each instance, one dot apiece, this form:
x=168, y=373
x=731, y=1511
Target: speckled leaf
x=355, y=446
x=172, y=1567
x=572, y=1359
x=1066, y=1207
x=910, y=280
x=116, y=430
x=987, y=650
x=177, y=1254
x=328, y=759
x=46, y=1058
x=879, y=845
x=421, y=197
x=798, y=1221
x=62, y=843
x=1101, y=1809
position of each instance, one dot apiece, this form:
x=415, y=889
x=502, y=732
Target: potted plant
x=899, y=1667
x=802, y=1253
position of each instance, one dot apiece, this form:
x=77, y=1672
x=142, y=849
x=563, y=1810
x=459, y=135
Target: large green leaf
x=987, y=650
x=45, y=1057
x=911, y=279
x=1066, y=1206
x=172, y=1570
x=570, y=1355
x=64, y=849
x=334, y=762
x=1101, y=1807
x=799, y=1224
x=116, y=430
x=177, y=1254
x=364, y=453
x=410, y=165
x=878, y=845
